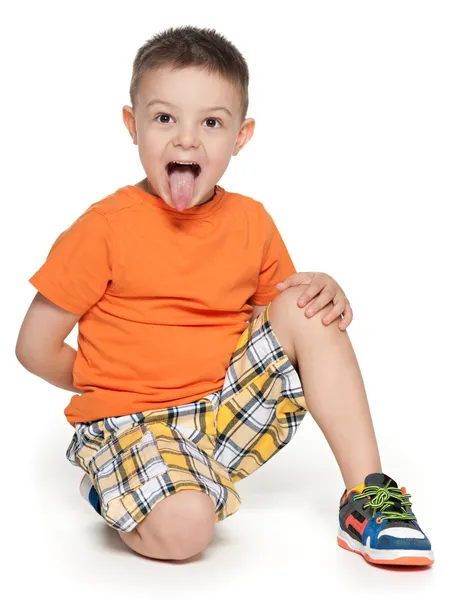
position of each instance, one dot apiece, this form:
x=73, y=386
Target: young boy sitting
x=192, y=334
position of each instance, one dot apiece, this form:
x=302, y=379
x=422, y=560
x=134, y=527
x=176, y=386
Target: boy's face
x=186, y=127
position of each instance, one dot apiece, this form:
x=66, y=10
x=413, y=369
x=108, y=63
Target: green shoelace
x=382, y=498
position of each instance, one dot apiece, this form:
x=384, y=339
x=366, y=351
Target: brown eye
x=163, y=115
x=212, y=119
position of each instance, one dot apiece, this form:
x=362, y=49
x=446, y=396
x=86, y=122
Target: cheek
x=151, y=132
x=220, y=149
x=151, y=143
x=149, y=157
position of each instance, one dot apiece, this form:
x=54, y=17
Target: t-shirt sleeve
x=276, y=265
x=79, y=265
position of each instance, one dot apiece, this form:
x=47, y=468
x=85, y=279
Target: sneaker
x=89, y=493
x=376, y=521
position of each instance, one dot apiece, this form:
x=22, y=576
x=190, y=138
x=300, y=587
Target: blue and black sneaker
x=376, y=521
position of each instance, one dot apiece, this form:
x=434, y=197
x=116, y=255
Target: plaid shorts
x=135, y=461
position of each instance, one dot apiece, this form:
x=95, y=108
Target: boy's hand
x=327, y=287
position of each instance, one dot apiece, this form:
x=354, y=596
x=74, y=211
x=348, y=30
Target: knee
x=286, y=304
x=288, y=318
x=183, y=524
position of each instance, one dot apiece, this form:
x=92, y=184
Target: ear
x=245, y=135
x=130, y=122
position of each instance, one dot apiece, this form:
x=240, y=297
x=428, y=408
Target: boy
x=178, y=395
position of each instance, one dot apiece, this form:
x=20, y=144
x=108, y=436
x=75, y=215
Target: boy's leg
x=178, y=528
x=332, y=383
x=375, y=515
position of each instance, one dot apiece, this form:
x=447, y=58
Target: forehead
x=188, y=87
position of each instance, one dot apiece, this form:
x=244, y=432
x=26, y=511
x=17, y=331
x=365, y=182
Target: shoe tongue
x=182, y=181
x=379, y=479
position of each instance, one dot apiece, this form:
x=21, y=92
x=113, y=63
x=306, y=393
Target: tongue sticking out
x=182, y=181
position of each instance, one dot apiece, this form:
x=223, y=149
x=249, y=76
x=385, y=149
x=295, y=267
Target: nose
x=186, y=137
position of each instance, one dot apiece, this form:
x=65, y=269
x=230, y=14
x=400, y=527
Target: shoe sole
x=412, y=558
x=85, y=487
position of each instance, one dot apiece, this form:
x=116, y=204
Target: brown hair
x=189, y=46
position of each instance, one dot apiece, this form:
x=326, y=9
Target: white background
x=351, y=157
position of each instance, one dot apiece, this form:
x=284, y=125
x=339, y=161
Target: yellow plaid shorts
x=135, y=461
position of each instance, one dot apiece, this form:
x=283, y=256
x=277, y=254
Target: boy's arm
x=257, y=310
x=40, y=345
x=276, y=266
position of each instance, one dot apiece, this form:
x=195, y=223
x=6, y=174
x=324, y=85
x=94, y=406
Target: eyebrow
x=156, y=101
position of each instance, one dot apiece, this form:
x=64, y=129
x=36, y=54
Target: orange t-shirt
x=164, y=296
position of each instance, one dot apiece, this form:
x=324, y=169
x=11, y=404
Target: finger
x=311, y=292
x=290, y=282
x=348, y=317
x=319, y=283
x=344, y=318
x=295, y=279
x=339, y=307
x=324, y=299
x=332, y=315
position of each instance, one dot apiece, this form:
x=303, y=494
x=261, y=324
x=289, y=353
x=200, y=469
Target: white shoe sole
x=386, y=557
x=85, y=487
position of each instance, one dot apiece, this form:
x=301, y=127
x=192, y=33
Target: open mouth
x=193, y=166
